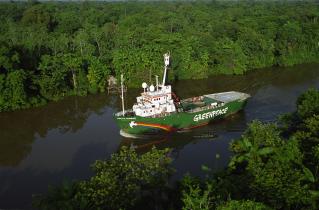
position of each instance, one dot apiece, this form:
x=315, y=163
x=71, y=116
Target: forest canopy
x=52, y=50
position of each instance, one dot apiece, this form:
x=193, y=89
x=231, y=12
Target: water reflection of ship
x=175, y=141
x=207, y=135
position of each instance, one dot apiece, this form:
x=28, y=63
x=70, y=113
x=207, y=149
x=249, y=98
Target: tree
x=195, y=195
x=119, y=183
x=243, y=205
x=228, y=57
x=58, y=43
x=82, y=43
x=8, y=59
x=288, y=42
x=73, y=65
x=37, y=15
x=279, y=176
x=308, y=104
x=97, y=75
x=68, y=21
x=258, y=48
x=303, y=125
x=122, y=181
x=53, y=80
x=12, y=86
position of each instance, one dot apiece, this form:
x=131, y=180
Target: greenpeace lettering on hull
x=210, y=114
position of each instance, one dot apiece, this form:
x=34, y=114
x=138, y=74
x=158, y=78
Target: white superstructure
x=155, y=100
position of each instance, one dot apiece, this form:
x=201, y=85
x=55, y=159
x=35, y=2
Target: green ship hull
x=188, y=116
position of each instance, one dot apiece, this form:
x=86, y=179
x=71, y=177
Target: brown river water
x=58, y=142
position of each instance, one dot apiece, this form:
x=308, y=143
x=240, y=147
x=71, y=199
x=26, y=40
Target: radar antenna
x=166, y=62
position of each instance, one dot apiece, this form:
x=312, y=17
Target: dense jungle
x=56, y=49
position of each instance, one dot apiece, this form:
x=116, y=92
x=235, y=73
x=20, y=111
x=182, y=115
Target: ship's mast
x=156, y=82
x=122, y=87
x=166, y=62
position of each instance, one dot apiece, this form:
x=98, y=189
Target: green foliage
x=89, y=41
x=258, y=48
x=243, y=205
x=316, y=152
x=229, y=57
x=308, y=104
x=119, y=183
x=258, y=140
x=61, y=197
x=276, y=165
x=8, y=59
x=12, y=90
x=54, y=81
x=303, y=125
x=38, y=14
x=97, y=72
x=194, y=197
x=122, y=181
x=67, y=74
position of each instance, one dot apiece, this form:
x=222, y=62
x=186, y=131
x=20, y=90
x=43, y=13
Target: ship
x=158, y=110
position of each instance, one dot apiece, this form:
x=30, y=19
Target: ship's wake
x=139, y=136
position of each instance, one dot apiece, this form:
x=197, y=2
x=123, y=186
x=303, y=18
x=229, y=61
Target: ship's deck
x=228, y=96
x=196, y=104
x=210, y=101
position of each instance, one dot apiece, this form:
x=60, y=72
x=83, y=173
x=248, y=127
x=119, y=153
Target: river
x=57, y=142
